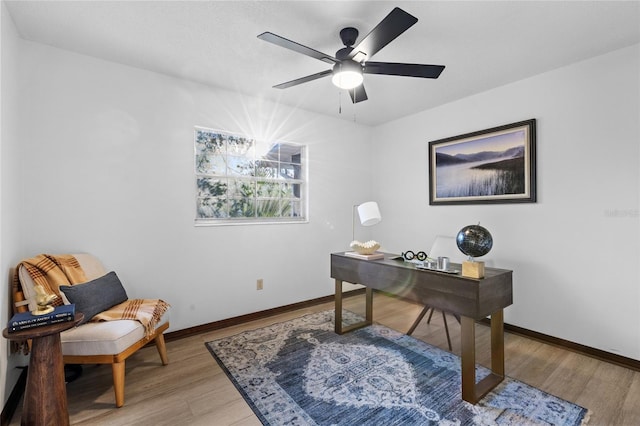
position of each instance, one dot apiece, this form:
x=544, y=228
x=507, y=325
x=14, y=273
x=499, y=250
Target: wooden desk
x=45, y=400
x=471, y=298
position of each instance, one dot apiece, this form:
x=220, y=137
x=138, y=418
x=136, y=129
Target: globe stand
x=472, y=269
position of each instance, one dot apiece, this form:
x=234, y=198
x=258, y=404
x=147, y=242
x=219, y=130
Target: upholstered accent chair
x=104, y=342
x=442, y=246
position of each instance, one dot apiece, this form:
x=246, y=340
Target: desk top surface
x=396, y=260
x=451, y=292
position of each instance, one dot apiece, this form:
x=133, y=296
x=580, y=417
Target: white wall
x=575, y=252
x=9, y=191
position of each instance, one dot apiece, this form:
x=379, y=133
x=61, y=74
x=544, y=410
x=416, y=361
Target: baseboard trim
x=14, y=399
x=610, y=357
x=216, y=325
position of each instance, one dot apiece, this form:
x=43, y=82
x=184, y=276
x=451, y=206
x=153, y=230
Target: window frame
x=271, y=189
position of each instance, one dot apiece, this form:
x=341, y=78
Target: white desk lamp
x=369, y=215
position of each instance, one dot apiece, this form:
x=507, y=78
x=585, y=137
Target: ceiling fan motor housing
x=349, y=36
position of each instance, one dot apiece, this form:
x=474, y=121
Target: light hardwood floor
x=193, y=390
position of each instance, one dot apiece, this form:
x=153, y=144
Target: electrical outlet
x=259, y=284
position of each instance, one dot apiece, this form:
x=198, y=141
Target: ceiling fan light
x=347, y=75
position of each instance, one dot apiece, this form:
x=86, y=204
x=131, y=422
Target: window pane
x=211, y=208
x=243, y=207
x=296, y=189
x=268, y=151
x=210, y=164
x=268, y=189
x=239, y=145
x=296, y=209
x=211, y=187
x=241, y=188
x=286, y=189
x=240, y=166
x=269, y=208
x=210, y=142
x=268, y=169
x=290, y=153
x=290, y=171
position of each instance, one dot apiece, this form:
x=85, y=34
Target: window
x=242, y=180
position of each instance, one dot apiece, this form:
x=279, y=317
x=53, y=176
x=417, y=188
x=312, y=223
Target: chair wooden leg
x=422, y=315
x=430, y=315
x=417, y=321
x=118, y=382
x=446, y=328
x=162, y=349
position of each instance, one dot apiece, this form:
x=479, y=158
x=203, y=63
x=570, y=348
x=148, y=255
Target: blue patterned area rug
x=300, y=372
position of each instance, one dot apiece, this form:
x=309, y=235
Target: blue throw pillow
x=95, y=296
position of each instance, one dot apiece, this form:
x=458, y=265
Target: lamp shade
x=369, y=213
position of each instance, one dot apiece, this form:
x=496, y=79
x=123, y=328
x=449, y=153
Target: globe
x=474, y=240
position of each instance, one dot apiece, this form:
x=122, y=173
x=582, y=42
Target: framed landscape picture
x=496, y=165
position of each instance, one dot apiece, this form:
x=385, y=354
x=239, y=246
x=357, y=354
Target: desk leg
x=468, y=358
x=338, y=313
x=338, y=301
x=497, y=343
x=471, y=391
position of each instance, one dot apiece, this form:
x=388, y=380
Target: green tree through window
x=239, y=179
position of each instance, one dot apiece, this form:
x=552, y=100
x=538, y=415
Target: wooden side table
x=45, y=400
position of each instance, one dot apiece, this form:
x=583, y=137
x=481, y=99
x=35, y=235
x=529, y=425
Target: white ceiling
x=484, y=44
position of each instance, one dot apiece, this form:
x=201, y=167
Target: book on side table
x=26, y=320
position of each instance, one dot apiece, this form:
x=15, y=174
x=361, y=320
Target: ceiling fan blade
x=407, y=70
x=296, y=47
x=303, y=80
x=358, y=94
x=394, y=24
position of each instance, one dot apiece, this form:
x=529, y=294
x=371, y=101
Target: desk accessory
x=43, y=300
x=366, y=250
x=474, y=241
x=410, y=255
x=369, y=215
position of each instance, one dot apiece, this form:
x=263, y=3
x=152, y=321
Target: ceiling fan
x=351, y=62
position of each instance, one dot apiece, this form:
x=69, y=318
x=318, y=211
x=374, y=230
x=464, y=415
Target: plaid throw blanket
x=147, y=311
x=50, y=272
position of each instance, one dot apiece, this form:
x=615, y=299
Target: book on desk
x=372, y=256
x=26, y=320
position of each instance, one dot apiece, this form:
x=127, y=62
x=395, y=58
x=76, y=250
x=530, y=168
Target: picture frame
x=491, y=166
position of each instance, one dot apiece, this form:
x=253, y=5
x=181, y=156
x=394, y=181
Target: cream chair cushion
x=105, y=337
